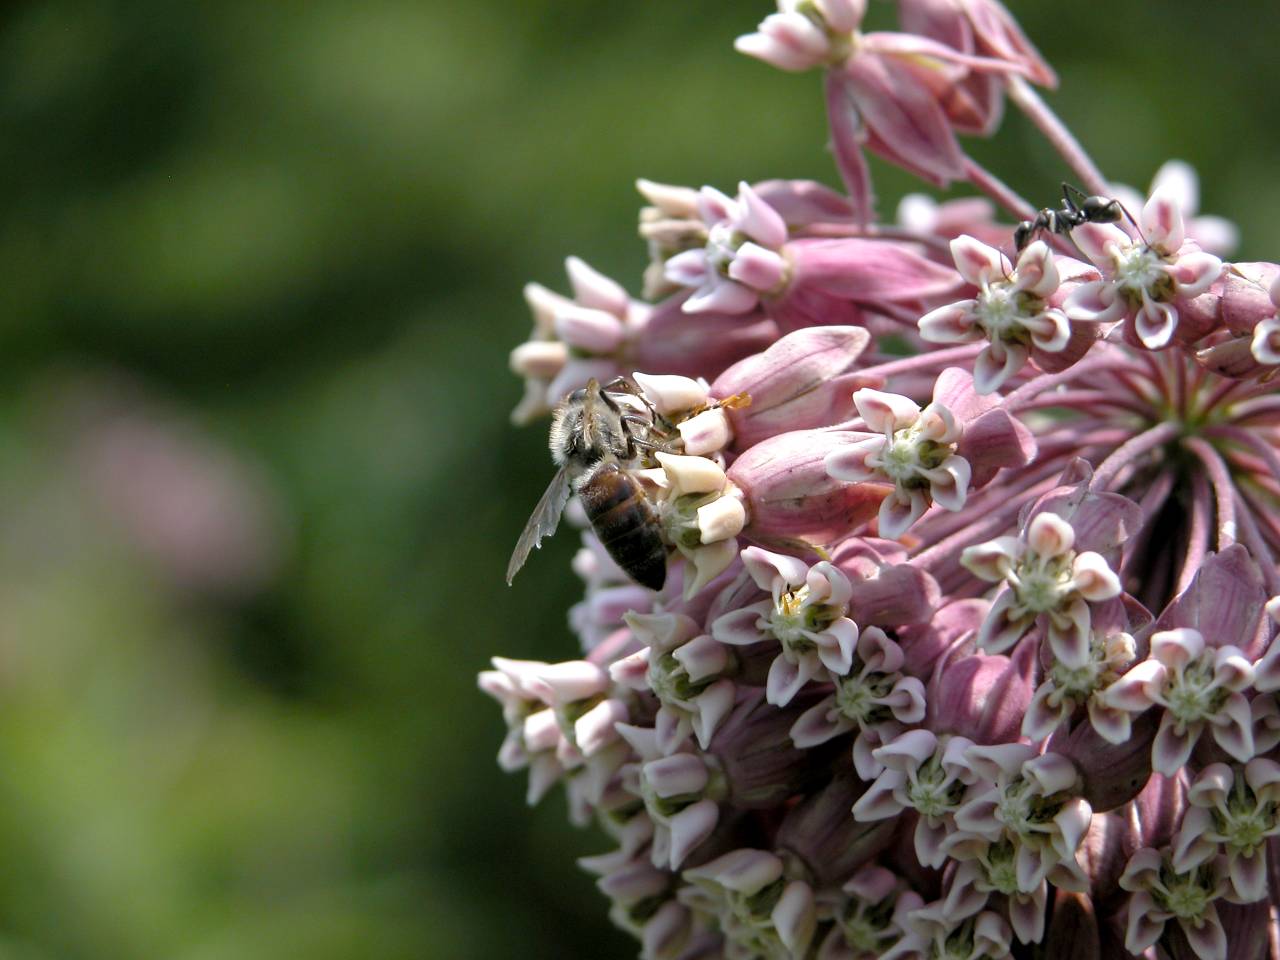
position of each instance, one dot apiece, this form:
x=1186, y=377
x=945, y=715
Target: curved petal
x=978, y=263
x=953, y=323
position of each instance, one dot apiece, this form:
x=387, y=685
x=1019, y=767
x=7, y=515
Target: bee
x=1069, y=216
x=598, y=436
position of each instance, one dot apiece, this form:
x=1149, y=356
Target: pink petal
x=1041, y=719
x=1162, y=221
x=688, y=268
x=767, y=568
x=741, y=627
x=1137, y=689
x=758, y=220
x=692, y=825
x=904, y=119
x=1155, y=323
x=594, y=290
x=949, y=483
x=819, y=724
x=1249, y=874
x=1195, y=273
x=1098, y=240
x=878, y=803
x=719, y=295
x=836, y=644
x=849, y=463
x=1208, y=940
x=885, y=412
x=954, y=323
x=1050, y=330
x=1233, y=727
x=785, y=680
x=1037, y=273
x=978, y=263
x=758, y=268
x=898, y=513
x=1171, y=750
x=1143, y=929
x=996, y=363
x=1094, y=302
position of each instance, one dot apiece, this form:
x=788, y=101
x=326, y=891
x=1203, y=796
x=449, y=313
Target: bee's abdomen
x=626, y=524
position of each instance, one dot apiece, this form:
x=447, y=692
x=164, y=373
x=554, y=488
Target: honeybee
x=598, y=435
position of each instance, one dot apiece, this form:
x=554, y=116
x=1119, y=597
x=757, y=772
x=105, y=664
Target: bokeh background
x=260, y=266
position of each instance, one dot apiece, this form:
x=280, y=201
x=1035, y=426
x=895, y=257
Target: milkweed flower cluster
x=968, y=645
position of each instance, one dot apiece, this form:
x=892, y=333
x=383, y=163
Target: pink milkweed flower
x=1197, y=685
x=1178, y=180
x=741, y=260
x=873, y=698
x=1014, y=311
x=925, y=773
x=700, y=513
x=1144, y=280
x=1041, y=573
x=1161, y=892
x=685, y=671
x=805, y=613
x=1033, y=802
x=761, y=912
x=915, y=450
x=988, y=868
x=977, y=26
x=1066, y=688
x=1233, y=810
x=932, y=932
x=868, y=915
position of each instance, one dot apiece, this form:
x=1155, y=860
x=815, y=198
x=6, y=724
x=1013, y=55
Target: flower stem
x=1056, y=132
x=1220, y=477
x=1130, y=451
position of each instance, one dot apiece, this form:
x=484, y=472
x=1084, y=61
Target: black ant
x=1070, y=216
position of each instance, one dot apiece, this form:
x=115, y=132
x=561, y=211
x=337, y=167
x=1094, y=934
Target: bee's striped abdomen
x=626, y=524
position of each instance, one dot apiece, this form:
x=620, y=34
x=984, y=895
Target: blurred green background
x=260, y=266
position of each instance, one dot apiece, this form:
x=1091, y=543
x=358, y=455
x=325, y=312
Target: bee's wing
x=543, y=522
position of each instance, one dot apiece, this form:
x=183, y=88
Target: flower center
x=1186, y=896
x=1043, y=581
x=1001, y=868
x=933, y=793
x=723, y=242
x=1001, y=312
x=906, y=456
x=1245, y=823
x=1140, y=268
x=1191, y=695
x=858, y=697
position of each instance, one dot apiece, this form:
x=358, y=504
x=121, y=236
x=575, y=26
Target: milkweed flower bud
x=790, y=496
